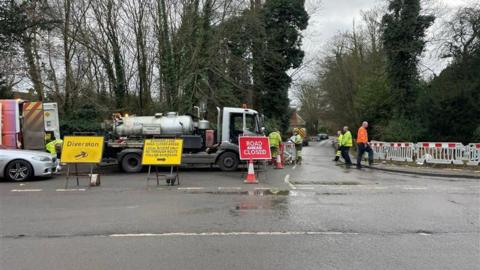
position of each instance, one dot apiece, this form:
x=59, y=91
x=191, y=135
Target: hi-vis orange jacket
x=362, y=135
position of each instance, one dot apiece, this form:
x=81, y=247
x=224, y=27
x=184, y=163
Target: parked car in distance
x=322, y=136
x=21, y=165
x=305, y=141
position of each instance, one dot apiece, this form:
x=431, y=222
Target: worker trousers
x=361, y=149
x=346, y=154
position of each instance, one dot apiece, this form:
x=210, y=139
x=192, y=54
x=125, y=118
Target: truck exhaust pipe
x=198, y=111
x=219, y=125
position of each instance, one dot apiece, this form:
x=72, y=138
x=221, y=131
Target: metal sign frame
x=174, y=175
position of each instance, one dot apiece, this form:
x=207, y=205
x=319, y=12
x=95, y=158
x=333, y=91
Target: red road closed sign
x=254, y=148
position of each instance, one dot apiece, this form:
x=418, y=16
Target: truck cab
x=235, y=122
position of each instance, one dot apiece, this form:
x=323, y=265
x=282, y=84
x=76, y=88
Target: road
x=317, y=215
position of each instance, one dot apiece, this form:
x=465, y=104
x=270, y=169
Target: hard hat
x=295, y=130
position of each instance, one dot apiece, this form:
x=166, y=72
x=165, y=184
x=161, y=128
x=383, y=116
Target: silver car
x=21, y=165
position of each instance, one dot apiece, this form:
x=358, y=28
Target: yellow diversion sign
x=82, y=149
x=162, y=152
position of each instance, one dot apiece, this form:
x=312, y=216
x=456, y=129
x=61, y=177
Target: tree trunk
x=69, y=82
x=166, y=61
x=33, y=69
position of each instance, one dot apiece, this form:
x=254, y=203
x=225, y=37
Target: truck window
x=236, y=125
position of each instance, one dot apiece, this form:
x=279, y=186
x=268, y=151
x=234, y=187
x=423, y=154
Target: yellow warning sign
x=82, y=149
x=162, y=152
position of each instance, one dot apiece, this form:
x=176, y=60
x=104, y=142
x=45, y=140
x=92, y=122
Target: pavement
x=453, y=171
x=318, y=215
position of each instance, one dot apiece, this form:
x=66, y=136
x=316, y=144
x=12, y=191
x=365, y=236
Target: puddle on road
x=326, y=183
x=258, y=192
x=331, y=193
x=279, y=204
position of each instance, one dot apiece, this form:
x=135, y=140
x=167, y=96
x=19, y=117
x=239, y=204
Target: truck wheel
x=228, y=161
x=132, y=163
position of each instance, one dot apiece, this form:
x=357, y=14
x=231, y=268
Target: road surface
x=317, y=215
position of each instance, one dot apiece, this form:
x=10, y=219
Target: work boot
x=336, y=158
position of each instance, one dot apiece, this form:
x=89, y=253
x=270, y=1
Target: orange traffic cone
x=279, y=163
x=251, y=179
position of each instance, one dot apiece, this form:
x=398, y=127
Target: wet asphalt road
x=313, y=216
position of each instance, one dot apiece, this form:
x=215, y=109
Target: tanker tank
x=171, y=124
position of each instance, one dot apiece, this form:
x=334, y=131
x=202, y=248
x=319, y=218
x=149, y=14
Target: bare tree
x=462, y=33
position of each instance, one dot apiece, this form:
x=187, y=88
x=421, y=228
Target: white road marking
x=230, y=234
x=294, y=167
x=26, y=190
x=415, y=188
x=70, y=189
x=22, y=185
x=380, y=188
x=191, y=188
x=287, y=180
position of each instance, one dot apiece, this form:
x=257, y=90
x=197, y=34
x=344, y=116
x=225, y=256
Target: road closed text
x=254, y=148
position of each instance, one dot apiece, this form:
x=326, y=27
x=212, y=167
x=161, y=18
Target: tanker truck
x=201, y=143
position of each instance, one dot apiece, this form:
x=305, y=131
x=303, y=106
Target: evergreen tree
x=283, y=19
x=404, y=41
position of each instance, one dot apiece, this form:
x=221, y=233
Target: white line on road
x=25, y=190
x=287, y=180
x=191, y=188
x=70, y=189
x=415, y=188
x=229, y=234
x=294, y=167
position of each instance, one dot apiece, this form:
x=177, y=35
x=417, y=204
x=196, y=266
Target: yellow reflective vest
x=51, y=146
x=297, y=139
x=347, y=139
x=275, y=139
x=340, y=138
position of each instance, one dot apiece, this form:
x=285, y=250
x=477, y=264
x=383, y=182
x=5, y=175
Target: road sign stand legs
x=77, y=175
x=156, y=174
x=171, y=178
x=174, y=177
x=68, y=175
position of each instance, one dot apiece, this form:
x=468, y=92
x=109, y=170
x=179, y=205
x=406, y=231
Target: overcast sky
x=329, y=17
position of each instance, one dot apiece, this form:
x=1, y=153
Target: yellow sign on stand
x=162, y=152
x=82, y=149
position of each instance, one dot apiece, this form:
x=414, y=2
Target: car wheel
x=132, y=163
x=228, y=161
x=18, y=170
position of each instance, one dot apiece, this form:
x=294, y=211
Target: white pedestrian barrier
x=378, y=149
x=472, y=154
x=400, y=151
x=290, y=153
x=440, y=153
